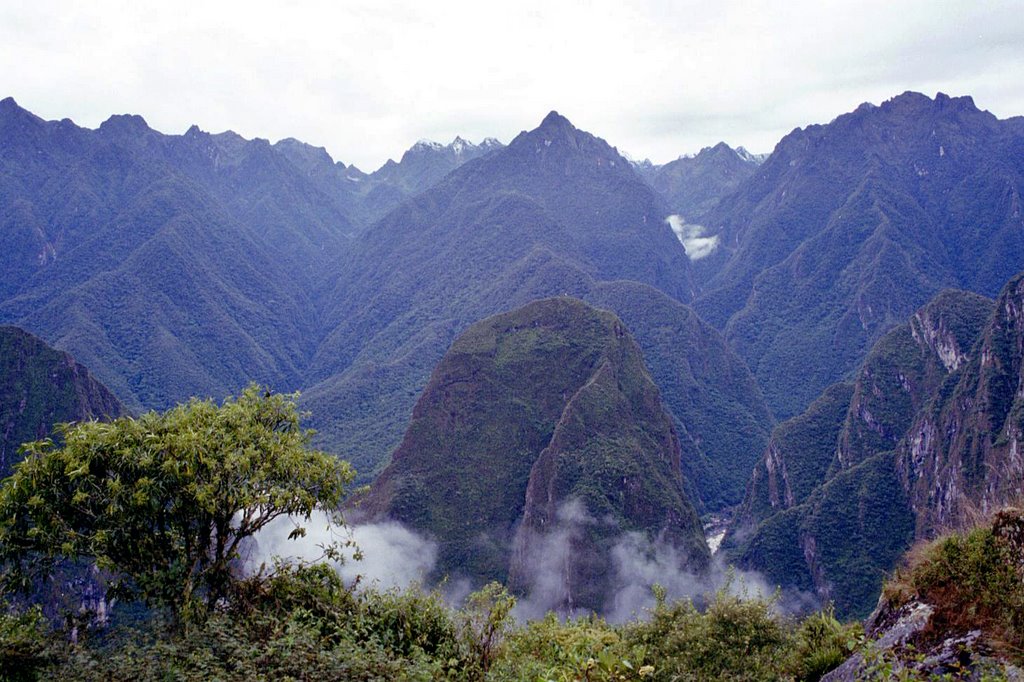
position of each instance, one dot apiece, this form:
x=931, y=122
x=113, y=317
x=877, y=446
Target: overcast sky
x=367, y=79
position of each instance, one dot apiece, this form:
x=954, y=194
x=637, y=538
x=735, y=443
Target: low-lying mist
x=394, y=556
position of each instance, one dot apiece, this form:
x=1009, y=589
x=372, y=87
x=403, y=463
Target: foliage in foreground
x=304, y=623
x=972, y=581
x=162, y=503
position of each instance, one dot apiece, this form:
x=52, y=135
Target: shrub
x=972, y=581
x=735, y=638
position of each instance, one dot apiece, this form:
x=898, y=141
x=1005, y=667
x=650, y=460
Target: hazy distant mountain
x=550, y=213
x=831, y=507
x=693, y=185
x=849, y=227
x=422, y=166
x=39, y=387
x=531, y=416
x=192, y=264
x=171, y=265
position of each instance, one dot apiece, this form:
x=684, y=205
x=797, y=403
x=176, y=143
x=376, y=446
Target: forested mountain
x=190, y=265
x=843, y=489
x=541, y=433
x=178, y=265
x=849, y=227
x=422, y=166
x=147, y=255
x=558, y=211
x=40, y=387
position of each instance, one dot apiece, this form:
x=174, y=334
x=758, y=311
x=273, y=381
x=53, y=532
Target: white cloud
x=692, y=237
x=392, y=555
x=366, y=79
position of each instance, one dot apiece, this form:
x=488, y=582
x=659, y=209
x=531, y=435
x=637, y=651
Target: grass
x=973, y=580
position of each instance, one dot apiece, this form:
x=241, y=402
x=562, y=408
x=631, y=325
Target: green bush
x=972, y=581
x=820, y=644
x=25, y=644
x=303, y=623
x=581, y=649
x=735, y=638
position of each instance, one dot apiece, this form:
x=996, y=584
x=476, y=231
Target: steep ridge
x=703, y=385
x=148, y=255
x=529, y=415
x=39, y=387
x=962, y=456
x=827, y=510
x=421, y=167
x=556, y=212
x=849, y=227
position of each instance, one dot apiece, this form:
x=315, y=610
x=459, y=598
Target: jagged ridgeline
x=541, y=426
x=39, y=387
x=693, y=185
x=850, y=227
x=837, y=497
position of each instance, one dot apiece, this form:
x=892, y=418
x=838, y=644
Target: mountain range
x=849, y=227
x=816, y=324
x=923, y=441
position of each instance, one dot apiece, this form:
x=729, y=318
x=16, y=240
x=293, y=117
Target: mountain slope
x=421, y=167
x=529, y=411
x=556, y=212
x=148, y=255
x=962, y=456
x=39, y=387
x=849, y=227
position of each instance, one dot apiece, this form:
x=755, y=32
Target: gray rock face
x=892, y=653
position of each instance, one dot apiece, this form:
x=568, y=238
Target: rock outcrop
x=964, y=455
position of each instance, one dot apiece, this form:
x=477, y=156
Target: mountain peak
x=555, y=120
x=915, y=101
x=129, y=123
x=12, y=114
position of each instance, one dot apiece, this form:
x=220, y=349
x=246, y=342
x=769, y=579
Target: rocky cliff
x=963, y=455
x=831, y=507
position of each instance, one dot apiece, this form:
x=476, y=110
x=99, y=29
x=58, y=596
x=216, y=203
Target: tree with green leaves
x=164, y=502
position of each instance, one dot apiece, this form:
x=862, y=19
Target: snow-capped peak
x=428, y=144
